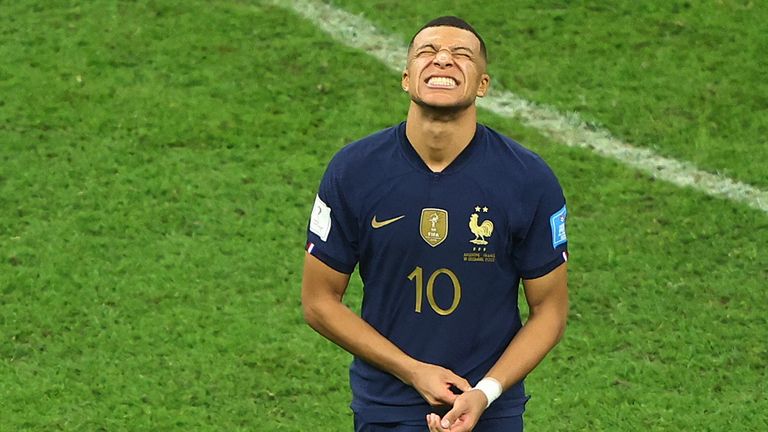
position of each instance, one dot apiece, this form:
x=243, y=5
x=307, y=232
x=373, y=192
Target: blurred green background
x=159, y=160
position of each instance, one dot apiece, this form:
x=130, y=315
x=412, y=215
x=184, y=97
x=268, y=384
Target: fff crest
x=434, y=226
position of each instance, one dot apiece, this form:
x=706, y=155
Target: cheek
x=417, y=67
x=469, y=70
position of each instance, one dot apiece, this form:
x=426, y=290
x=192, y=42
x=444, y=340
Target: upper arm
x=321, y=282
x=549, y=291
x=541, y=245
x=331, y=245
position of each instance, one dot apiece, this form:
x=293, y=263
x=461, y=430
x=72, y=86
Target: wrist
x=490, y=387
x=408, y=371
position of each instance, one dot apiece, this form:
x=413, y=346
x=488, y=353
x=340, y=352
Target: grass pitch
x=159, y=161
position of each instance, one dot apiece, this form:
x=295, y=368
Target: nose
x=443, y=58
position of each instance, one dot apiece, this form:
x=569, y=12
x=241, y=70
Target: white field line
x=570, y=129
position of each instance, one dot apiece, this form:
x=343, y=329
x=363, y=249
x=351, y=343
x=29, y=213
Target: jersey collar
x=461, y=160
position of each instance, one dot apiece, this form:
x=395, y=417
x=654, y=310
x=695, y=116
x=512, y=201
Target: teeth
x=442, y=81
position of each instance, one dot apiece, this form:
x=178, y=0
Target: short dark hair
x=452, y=21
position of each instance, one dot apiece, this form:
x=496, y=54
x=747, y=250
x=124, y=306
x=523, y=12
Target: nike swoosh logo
x=378, y=224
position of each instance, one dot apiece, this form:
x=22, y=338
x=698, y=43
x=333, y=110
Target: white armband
x=491, y=387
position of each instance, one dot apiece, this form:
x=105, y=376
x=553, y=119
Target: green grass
x=682, y=78
x=159, y=161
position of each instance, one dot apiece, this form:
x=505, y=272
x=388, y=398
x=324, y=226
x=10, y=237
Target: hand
x=466, y=411
x=434, y=384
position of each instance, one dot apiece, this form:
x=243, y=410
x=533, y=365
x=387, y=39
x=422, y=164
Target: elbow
x=551, y=322
x=310, y=314
x=314, y=313
x=556, y=319
x=560, y=324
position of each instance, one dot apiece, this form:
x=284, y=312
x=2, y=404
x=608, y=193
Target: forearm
x=338, y=323
x=538, y=336
x=540, y=333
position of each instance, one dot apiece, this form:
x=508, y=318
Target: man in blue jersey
x=444, y=218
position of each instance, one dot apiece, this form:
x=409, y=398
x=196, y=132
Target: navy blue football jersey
x=441, y=255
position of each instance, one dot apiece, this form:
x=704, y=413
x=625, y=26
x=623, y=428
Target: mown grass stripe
x=568, y=129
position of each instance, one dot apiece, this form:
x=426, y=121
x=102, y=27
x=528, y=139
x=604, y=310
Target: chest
x=452, y=219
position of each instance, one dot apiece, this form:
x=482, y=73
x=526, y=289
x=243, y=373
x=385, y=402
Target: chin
x=443, y=105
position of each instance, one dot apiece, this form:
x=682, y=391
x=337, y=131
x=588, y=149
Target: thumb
x=449, y=418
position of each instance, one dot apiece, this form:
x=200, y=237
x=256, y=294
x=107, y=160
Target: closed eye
x=462, y=52
x=428, y=49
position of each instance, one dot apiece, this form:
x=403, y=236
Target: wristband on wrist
x=491, y=387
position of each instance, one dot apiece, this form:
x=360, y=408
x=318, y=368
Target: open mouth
x=441, y=82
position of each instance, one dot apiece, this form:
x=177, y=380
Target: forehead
x=447, y=36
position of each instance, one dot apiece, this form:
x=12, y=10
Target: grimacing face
x=445, y=68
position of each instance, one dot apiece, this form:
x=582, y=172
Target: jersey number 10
x=417, y=275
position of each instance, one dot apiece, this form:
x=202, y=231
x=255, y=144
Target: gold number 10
x=418, y=275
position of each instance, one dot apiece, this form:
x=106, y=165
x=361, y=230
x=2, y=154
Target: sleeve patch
x=320, y=223
x=557, y=222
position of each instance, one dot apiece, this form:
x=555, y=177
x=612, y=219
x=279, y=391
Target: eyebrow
x=452, y=49
x=462, y=48
x=427, y=45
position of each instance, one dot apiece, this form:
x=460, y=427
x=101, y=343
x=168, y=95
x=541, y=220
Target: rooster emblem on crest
x=481, y=231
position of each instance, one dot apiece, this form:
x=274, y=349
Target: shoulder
x=365, y=152
x=359, y=166
x=513, y=161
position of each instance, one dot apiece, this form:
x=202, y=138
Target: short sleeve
x=332, y=228
x=545, y=244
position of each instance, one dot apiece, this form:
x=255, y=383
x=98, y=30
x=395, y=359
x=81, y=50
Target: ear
x=404, y=81
x=485, y=84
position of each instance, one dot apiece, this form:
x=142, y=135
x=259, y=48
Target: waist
x=380, y=397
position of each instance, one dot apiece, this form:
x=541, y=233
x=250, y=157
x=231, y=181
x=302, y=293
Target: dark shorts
x=503, y=424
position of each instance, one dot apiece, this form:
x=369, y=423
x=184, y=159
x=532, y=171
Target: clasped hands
x=434, y=384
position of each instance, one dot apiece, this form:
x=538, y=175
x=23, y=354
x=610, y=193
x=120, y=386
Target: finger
x=442, y=398
x=447, y=397
x=460, y=383
x=433, y=421
x=463, y=385
x=450, y=418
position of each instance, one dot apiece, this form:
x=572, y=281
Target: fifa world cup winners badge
x=434, y=226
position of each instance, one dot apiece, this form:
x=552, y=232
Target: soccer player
x=444, y=217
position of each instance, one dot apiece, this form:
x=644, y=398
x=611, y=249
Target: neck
x=439, y=136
